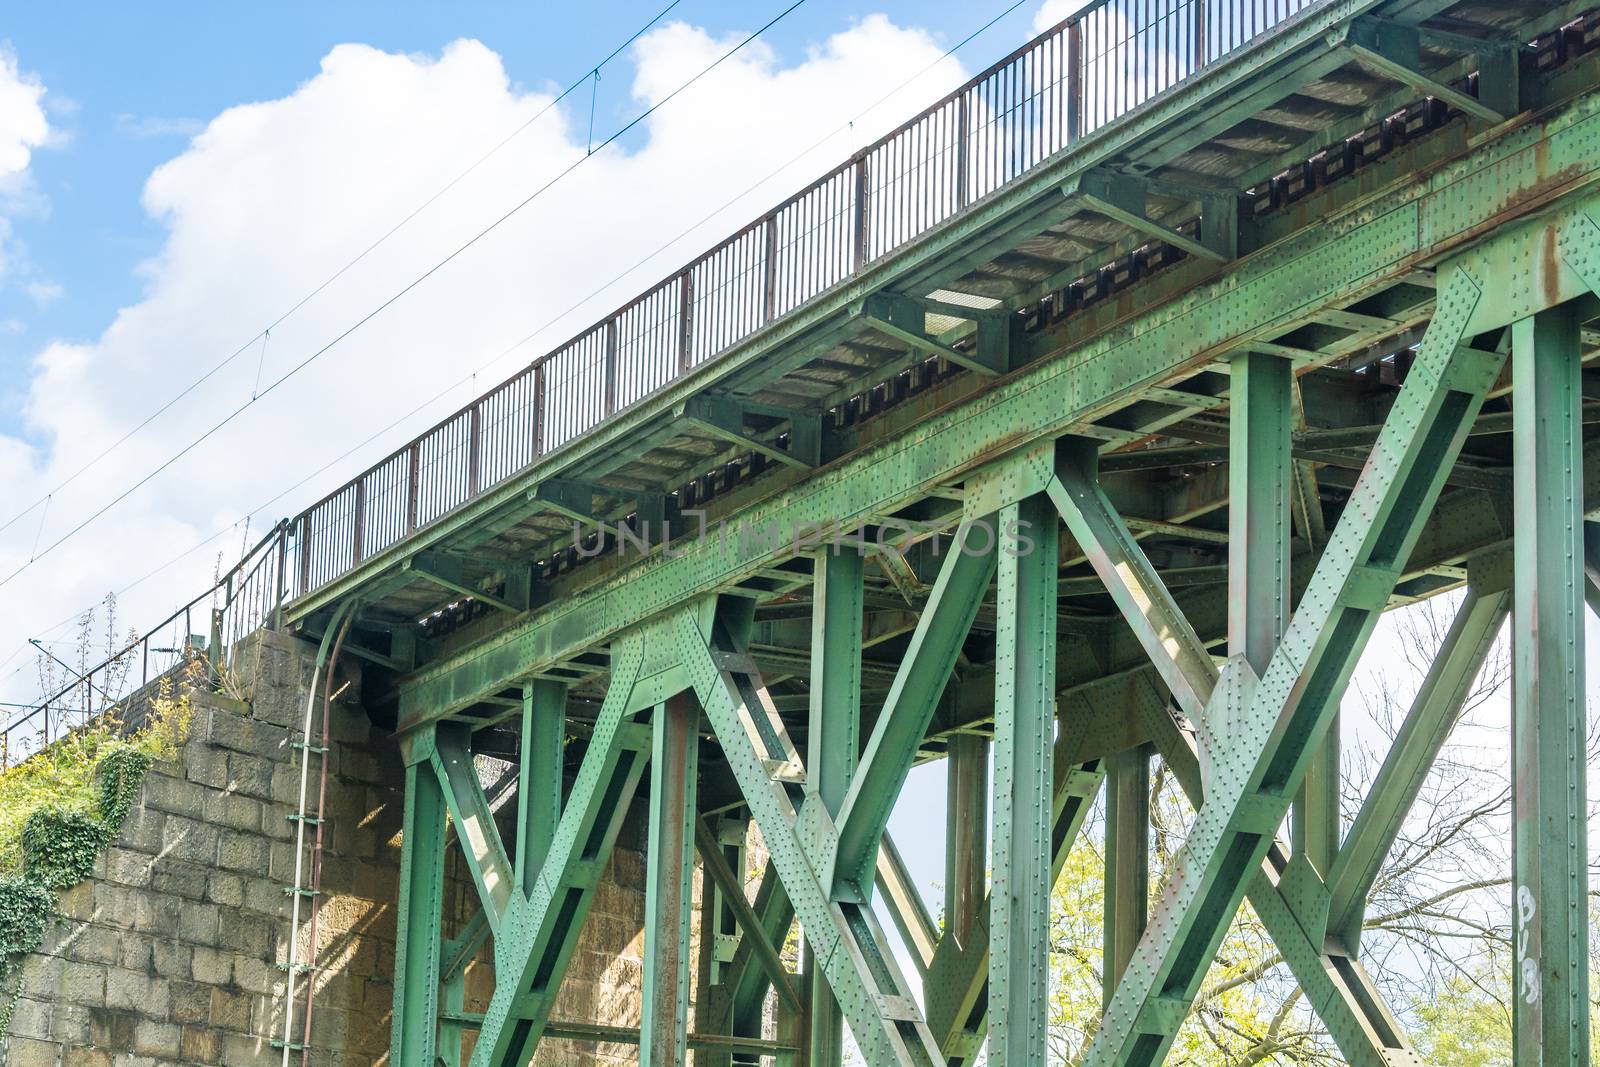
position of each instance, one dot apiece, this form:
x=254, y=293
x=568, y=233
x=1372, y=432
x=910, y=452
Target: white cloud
x=144, y=127
x=42, y=293
x=23, y=128
x=270, y=198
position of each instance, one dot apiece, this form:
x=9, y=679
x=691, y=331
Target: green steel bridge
x=1099, y=411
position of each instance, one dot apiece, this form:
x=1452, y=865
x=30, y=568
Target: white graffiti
x=1527, y=965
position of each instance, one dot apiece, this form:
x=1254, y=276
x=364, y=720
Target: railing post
x=358, y=523
x=281, y=580
x=412, y=480
x=685, y=320
x=538, y=409
x=1199, y=34
x=1075, y=80
x=770, y=281
x=963, y=121
x=474, y=449
x=305, y=553
x=859, y=231
x=611, y=366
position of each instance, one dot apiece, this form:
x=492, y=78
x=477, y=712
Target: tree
x=1436, y=933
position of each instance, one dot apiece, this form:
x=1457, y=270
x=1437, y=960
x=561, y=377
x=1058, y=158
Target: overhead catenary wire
x=398, y=295
x=264, y=334
x=566, y=313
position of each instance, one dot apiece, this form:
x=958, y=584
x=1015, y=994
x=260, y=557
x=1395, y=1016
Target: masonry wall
x=173, y=952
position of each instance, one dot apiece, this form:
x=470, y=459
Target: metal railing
x=1095, y=66
x=124, y=683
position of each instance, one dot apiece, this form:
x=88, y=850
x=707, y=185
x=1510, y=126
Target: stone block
x=132, y=991
x=83, y=983
x=31, y=1018
x=225, y=888
x=197, y=923
x=179, y=878
x=233, y=810
x=242, y=852
x=141, y=830
x=229, y=1011
x=186, y=839
x=239, y=1050
x=26, y=1052
x=247, y=934
x=198, y=1045
x=135, y=953
x=128, y=867
x=212, y=966
x=170, y=959
x=176, y=796
x=253, y=776
x=251, y=736
x=153, y=1038
x=191, y=1002
x=205, y=765
x=86, y=1057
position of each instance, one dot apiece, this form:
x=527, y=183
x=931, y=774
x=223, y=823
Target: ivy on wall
x=58, y=810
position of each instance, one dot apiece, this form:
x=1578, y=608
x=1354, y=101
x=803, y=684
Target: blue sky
x=129, y=84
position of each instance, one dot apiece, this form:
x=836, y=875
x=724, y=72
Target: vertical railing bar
x=769, y=281
x=359, y=521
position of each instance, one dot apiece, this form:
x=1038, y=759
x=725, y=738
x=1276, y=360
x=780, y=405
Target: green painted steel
x=833, y=738
x=540, y=930
x=539, y=774
x=1272, y=724
x=1127, y=862
x=1024, y=717
x=1505, y=236
x=414, y=1033
x=674, y=776
x=1550, y=916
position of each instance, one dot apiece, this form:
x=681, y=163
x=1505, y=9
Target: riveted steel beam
x=906, y=908
x=480, y=839
x=539, y=774
x=414, y=1034
x=1265, y=730
x=539, y=931
x=1176, y=650
x=1392, y=49
x=966, y=819
x=669, y=879
x=909, y=707
x=1550, y=991
x=1433, y=713
x=1127, y=862
x=849, y=947
x=1024, y=716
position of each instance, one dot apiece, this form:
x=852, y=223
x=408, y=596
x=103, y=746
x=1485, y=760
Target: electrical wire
x=399, y=294
x=264, y=334
x=637, y=265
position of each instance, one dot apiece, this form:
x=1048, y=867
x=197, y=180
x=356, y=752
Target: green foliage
x=120, y=774
x=58, y=809
x=59, y=846
x=26, y=907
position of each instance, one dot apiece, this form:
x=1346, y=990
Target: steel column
x=1024, y=718
x=966, y=823
x=674, y=774
x=1127, y=888
x=544, y=721
x=1550, y=1016
x=414, y=1030
x=833, y=738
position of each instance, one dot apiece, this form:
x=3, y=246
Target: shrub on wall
x=58, y=809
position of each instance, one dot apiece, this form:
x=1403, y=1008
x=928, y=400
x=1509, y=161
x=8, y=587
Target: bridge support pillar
x=1549, y=835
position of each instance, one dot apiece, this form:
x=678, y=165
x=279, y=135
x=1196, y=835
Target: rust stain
x=1550, y=265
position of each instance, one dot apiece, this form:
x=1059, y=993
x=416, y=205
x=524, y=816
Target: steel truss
x=1239, y=700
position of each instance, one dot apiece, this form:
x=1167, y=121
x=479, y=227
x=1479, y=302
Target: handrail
x=242, y=600
x=1094, y=66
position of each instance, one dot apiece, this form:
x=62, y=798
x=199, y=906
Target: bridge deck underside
x=1327, y=130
